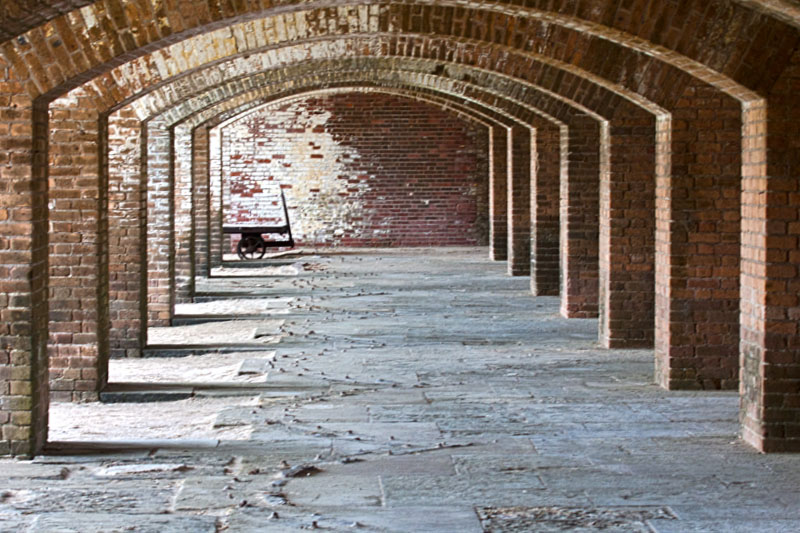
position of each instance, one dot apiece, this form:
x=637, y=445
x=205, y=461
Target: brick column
x=544, y=212
x=770, y=312
x=24, y=399
x=183, y=214
x=521, y=153
x=78, y=250
x=215, y=239
x=697, y=258
x=127, y=201
x=627, y=233
x=579, y=219
x=159, y=225
x=498, y=199
x=227, y=241
x=201, y=193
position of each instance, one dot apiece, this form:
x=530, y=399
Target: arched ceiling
x=660, y=23
x=375, y=53
x=70, y=50
x=224, y=118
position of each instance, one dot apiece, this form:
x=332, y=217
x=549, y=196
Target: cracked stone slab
x=487, y=464
x=232, y=332
x=234, y=307
x=581, y=519
x=332, y=490
x=388, y=465
x=92, y=522
x=332, y=414
x=148, y=469
x=726, y=526
x=453, y=518
x=216, y=493
x=33, y=470
x=515, y=488
x=256, y=366
x=117, y=498
x=15, y=521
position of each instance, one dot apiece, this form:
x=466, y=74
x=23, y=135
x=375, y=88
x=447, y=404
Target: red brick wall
x=697, y=305
x=127, y=235
x=78, y=269
x=360, y=169
x=770, y=308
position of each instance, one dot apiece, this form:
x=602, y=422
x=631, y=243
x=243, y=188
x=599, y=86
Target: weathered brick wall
x=579, y=211
x=521, y=161
x=78, y=249
x=23, y=270
x=698, y=271
x=127, y=234
x=627, y=233
x=160, y=259
x=498, y=198
x=545, y=212
x=360, y=169
x=770, y=306
x=182, y=284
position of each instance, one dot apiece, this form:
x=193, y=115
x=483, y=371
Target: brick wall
x=160, y=260
x=127, y=235
x=770, y=311
x=360, y=169
x=699, y=217
x=78, y=268
x=23, y=270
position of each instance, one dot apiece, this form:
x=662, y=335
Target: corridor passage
x=405, y=390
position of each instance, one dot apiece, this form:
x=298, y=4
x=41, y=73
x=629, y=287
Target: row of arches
x=644, y=166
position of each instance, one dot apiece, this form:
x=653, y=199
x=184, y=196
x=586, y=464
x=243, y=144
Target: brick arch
x=233, y=100
x=610, y=305
x=623, y=115
x=473, y=134
x=656, y=24
x=332, y=75
x=111, y=95
x=87, y=35
x=495, y=55
x=738, y=68
x=107, y=96
x=485, y=118
x=98, y=328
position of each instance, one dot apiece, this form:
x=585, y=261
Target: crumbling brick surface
x=358, y=169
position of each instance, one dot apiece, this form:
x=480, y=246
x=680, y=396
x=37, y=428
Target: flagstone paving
x=401, y=390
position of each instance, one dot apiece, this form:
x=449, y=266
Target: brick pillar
x=521, y=154
x=544, y=212
x=498, y=200
x=215, y=241
x=627, y=233
x=78, y=250
x=579, y=219
x=24, y=399
x=698, y=222
x=227, y=241
x=201, y=192
x=770, y=313
x=159, y=226
x=183, y=214
x=127, y=200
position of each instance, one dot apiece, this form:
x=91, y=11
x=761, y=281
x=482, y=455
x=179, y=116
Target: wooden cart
x=252, y=245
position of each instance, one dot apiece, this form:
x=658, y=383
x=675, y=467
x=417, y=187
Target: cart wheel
x=251, y=247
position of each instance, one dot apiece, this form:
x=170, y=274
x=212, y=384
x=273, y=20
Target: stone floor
x=392, y=391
